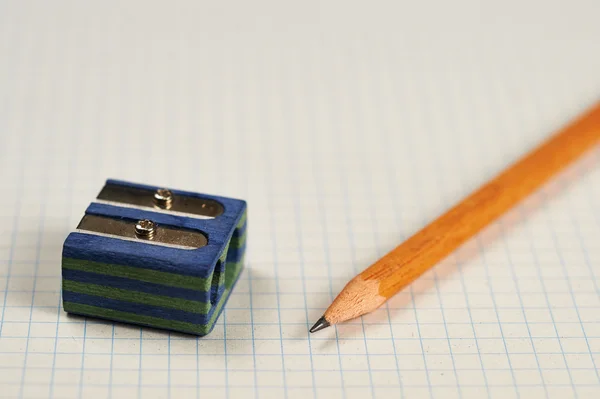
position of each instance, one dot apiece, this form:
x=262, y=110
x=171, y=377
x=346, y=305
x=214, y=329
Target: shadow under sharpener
x=160, y=258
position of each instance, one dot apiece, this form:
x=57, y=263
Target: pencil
x=405, y=263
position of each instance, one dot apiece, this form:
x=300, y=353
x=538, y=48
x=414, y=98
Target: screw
x=145, y=229
x=163, y=198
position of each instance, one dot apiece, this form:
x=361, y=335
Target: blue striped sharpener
x=154, y=257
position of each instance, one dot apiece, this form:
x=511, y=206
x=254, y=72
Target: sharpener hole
x=214, y=284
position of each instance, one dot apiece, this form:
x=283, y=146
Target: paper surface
x=346, y=127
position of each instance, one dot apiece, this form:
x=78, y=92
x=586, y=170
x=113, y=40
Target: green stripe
x=223, y=256
x=151, y=276
x=232, y=271
x=87, y=310
x=181, y=326
x=242, y=219
x=136, y=273
x=136, y=297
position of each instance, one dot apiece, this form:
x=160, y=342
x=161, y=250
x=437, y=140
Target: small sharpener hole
x=214, y=285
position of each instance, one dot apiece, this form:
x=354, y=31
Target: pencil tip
x=320, y=324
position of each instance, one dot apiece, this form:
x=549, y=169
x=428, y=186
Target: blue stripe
x=216, y=292
x=115, y=251
x=234, y=255
x=240, y=230
x=134, y=285
x=146, y=310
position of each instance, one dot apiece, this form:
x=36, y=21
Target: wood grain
x=437, y=240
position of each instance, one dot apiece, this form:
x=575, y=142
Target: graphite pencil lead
x=320, y=324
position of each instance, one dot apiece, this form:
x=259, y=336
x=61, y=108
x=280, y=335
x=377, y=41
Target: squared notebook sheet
x=344, y=140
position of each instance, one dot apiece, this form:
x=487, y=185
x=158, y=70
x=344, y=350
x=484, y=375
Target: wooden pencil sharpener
x=155, y=257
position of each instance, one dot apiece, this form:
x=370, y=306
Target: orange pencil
x=379, y=282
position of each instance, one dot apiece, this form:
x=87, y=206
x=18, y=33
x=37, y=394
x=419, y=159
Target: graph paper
x=346, y=127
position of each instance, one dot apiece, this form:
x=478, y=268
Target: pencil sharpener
x=155, y=257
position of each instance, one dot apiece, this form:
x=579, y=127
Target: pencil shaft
x=437, y=240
